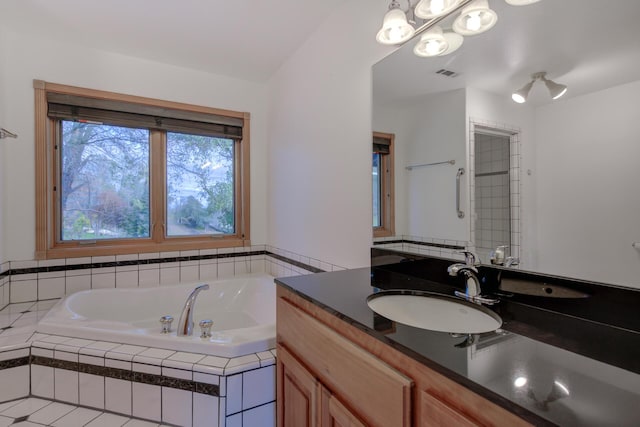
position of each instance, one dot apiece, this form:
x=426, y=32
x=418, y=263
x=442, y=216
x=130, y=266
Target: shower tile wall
x=492, y=192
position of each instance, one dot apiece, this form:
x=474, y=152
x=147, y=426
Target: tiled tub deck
x=161, y=386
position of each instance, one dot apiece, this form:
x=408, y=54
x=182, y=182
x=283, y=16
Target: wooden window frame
x=47, y=242
x=387, y=228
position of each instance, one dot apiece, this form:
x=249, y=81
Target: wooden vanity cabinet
x=306, y=402
x=323, y=379
x=332, y=374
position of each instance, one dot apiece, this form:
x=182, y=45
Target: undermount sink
x=435, y=312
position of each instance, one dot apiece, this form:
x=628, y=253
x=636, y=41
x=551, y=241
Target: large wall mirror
x=556, y=180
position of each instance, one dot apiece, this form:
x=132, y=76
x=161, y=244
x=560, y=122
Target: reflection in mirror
x=574, y=162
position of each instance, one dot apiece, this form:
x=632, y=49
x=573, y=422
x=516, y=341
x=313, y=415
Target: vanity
x=572, y=359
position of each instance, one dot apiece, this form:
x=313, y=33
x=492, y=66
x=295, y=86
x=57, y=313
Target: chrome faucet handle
x=470, y=258
x=165, y=322
x=511, y=260
x=205, y=328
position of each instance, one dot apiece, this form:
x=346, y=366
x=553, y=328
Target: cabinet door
x=378, y=393
x=335, y=414
x=298, y=398
x=436, y=413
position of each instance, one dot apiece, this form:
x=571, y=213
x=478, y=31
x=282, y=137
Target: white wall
x=27, y=58
x=427, y=131
x=320, y=139
x=588, y=201
x=3, y=168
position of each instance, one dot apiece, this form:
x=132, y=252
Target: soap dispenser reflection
x=497, y=256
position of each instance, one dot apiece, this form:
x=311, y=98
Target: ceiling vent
x=447, y=73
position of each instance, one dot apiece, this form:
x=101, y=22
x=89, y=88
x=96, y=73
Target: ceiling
x=247, y=39
x=586, y=44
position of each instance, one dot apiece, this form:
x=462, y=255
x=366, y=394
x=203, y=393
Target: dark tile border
x=14, y=363
x=415, y=242
x=97, y=265
x=126, y=375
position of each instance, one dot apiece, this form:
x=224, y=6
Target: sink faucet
x=472, y=284
x=470, y=273
x=185, y=324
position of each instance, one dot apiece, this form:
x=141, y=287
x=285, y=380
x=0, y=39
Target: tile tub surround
x=157, y=385
x=23, y=281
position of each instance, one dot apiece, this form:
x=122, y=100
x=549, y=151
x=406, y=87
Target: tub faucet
x=185, y=324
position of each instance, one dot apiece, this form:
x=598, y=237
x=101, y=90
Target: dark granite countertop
x=548, y=364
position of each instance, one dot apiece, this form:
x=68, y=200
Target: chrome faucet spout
x=185, y=324
x=472, y=284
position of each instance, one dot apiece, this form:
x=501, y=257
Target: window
x=121, y=174
x=382, y=174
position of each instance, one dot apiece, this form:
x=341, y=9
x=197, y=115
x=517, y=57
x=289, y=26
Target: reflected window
x=382, y=184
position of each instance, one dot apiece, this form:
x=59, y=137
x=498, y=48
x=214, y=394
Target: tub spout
x=185, y=324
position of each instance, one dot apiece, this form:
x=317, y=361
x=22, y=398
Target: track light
x=556, y=90
x=520, y=96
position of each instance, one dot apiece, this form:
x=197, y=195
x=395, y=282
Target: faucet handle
x=205, y=328
x=470, y=258
x=165, y=321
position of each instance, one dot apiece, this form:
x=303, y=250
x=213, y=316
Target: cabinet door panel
x=436, y=413
x=299, y=388
x=341, y=416
x=380, y=394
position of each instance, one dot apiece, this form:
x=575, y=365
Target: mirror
x=573, y=205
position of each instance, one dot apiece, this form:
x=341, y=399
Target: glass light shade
x=556, y=90
x=432, y=43
x=395, y=28
x=475, y=18
x=521, y=2
x=427, y=9
x=454, y=40
x=520, y=96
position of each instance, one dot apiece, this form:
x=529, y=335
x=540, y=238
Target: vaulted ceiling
x=247, y=39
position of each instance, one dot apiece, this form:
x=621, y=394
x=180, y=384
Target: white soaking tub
x=242, y=309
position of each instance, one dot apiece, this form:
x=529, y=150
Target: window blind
x=381, y=145
x=120, y=113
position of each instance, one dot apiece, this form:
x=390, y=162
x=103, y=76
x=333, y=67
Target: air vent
x=447, y=73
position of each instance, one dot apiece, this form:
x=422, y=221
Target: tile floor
x=35, y=412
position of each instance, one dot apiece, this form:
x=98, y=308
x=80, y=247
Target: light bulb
x=432, y=43
x=473, y=21
x=437, y=6
x=434, y=47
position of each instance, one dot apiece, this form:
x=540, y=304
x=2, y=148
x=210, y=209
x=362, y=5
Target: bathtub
x=242, y=309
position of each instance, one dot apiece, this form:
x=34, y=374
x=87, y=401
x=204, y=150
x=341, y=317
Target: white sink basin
x=434, y=312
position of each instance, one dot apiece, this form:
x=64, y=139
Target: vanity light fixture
x=432, y=43
x=427, y=9
x=476, y=17
x=453, y=42
x=556, y=90
x=395, y=28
